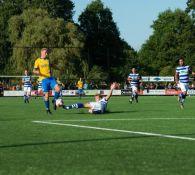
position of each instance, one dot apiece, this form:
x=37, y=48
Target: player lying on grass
x=97, y=107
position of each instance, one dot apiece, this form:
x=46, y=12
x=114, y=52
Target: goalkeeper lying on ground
x=97, y=107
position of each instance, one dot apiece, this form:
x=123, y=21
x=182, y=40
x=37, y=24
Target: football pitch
x=152, y=137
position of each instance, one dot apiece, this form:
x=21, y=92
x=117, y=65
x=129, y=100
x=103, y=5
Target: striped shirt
x=134, y=79
x=27, y=81
x=183, y=73
x=39, y=85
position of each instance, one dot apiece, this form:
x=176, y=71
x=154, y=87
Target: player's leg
x=182, y=95
x=46, y=101
x=135, y=91
x=75, y=106
x=57, y=89
x=45, y=86
x=28, y=94
x=25, y=94
x=80, y=93
x=131, y=95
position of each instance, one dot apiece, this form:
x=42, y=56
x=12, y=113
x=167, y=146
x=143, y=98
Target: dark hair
x=181, y=58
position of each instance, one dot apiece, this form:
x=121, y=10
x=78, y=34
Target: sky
x=133, y=17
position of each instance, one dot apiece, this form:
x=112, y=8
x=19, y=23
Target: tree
x=56, y=9
x=34, y=28
x=173, y=36
x=103, y=43
x=191, y=7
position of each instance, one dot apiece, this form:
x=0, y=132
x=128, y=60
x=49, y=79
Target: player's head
x=181, y=61
x=25, y=72
x=44, y=52
x=133, y=70
x=98, y=97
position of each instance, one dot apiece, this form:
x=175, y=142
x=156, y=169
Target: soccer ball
x=59, y=102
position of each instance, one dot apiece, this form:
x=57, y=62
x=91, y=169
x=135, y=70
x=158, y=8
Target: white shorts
x=134, y=88
x=27, y=89
x=183, y=86
x=95, y=106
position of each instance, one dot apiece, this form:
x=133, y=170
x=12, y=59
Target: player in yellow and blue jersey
x=80, y=91
x=42, y=68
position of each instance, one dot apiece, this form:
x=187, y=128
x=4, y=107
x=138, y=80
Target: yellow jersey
x=80, y=84
x=44, y=68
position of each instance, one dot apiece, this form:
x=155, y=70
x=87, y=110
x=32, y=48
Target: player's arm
x=112, y=87
x=191, y=72
x=23, y=81
x=36, y=71
x=176, y=77
x=129, y=79
x=139, y=77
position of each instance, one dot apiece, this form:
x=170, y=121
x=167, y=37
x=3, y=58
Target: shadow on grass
x=107, y=112
x=72, y=141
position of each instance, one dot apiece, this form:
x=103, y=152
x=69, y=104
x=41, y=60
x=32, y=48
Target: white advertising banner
x=162, y=79
x=68, y=92
x=106, y=92
x=191, y=92
x=154, y=92
x=91, y=92
x=145, y=79
x=13, y=93
x=158, y=79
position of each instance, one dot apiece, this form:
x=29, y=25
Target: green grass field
x=153, y=137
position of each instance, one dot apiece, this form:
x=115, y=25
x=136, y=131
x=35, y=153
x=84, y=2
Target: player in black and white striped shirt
x=134, y=80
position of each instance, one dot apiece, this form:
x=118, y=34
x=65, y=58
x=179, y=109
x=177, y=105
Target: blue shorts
x=48, y=84
x=80, y=91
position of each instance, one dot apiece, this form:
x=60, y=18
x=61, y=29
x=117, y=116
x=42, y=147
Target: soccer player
x=182, y=80
x=79, y=85
x=26, y=80
x=42, y=68
x=134, y=80
x=97, y=107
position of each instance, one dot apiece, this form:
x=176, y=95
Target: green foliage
x=103, y=42
x=35, y=28
x=56, y=9
x=97, y=73
x=173, y=36
x=191, y=7
x=167, y=71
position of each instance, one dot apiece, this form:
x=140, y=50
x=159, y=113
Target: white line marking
x=119, y=119
x=117, y=130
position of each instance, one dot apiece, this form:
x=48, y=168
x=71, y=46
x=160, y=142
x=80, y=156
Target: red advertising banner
x=172, y=92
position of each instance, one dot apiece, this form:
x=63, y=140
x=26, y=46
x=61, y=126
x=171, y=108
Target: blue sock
x=56, y=95
x=46, y=104
x=76, y=105
x=183, y=96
